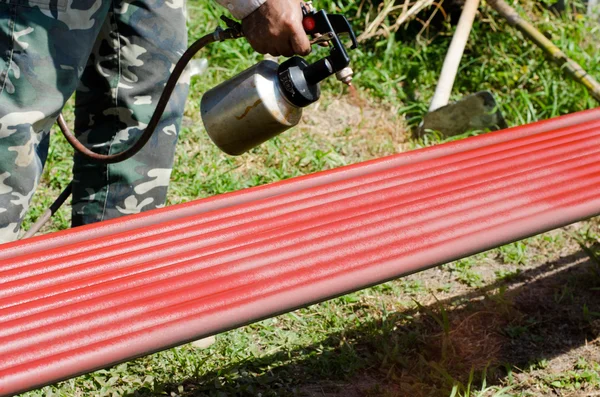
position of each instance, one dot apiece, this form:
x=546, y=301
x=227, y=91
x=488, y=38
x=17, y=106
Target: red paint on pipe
x=166, y=308
x=260, y=258
x=280, y=295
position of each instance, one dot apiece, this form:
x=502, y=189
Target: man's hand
x=276, y=28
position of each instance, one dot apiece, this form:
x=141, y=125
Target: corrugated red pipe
x=71, y=307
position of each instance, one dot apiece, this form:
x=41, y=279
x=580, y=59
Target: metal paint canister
x=248, y=109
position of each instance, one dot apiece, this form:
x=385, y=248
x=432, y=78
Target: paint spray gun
x=259, y=103
x=267, y=99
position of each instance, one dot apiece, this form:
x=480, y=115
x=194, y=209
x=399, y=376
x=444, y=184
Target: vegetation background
x=520, y=320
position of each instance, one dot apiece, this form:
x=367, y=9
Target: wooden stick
x=559, y=57
x=454, y=55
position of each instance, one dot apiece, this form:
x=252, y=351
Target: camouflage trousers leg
x=117, y=55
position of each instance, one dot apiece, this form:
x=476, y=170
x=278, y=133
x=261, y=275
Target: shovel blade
x=475, y=112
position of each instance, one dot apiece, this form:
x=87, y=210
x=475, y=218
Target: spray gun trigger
x=322, y=39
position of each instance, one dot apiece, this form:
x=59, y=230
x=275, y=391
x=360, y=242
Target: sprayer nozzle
x=345, y=76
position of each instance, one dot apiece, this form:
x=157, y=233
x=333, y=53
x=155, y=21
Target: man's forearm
x=240, y=9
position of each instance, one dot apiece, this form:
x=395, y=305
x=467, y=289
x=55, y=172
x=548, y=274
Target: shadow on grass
x=543, y=313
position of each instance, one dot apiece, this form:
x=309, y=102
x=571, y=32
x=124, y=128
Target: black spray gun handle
x=299, y=79
x=328, y=28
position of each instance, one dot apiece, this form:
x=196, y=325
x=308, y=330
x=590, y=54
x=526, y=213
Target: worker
x=116, y=55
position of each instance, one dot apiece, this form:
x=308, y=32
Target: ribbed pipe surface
x=87, y=298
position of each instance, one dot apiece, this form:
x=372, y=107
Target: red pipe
x=282, y=293
x=79, y=309
x=84, y=233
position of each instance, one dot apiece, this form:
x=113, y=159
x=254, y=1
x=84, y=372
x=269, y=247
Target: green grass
x=495, y=324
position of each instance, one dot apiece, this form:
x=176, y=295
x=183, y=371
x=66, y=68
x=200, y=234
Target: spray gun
x=259, y=103
x=267, y=99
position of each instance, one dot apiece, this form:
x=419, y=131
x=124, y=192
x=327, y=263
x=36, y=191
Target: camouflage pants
x=116, y=55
